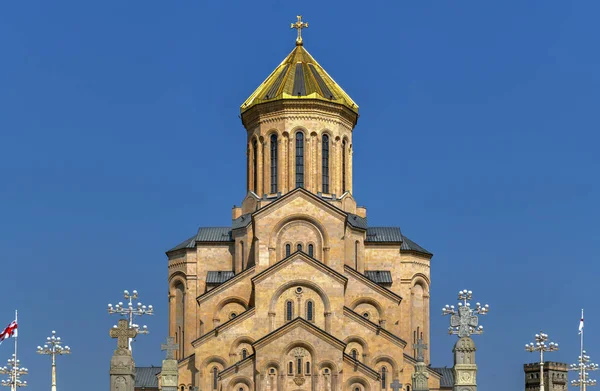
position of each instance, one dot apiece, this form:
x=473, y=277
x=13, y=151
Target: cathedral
x=299, y=292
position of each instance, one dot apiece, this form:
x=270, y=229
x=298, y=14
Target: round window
x=299, y=289
x=232, y=315
x=366, y=315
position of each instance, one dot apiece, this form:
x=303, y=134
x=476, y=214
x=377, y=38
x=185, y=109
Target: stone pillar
x=465, y=369
x=420, y=379
x=169, y=375
x=122, y=366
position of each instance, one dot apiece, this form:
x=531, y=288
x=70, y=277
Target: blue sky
x=116, y=115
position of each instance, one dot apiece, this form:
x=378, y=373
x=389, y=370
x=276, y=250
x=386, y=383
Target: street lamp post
x=14, y=370
x=131, y=312
x=53, y=347
x=583, y=366
x=541, y=346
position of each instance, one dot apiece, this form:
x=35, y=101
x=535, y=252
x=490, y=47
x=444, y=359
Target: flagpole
x=13, y=386
x=582, y=368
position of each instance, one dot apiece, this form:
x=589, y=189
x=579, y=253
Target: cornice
x=299, y=322
x=376, y=287
x=237, y=366
x=222, y=327
x=206, y=295
x=362, y=367
x=374, y=327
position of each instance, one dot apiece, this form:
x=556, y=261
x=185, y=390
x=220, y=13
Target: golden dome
x=299, y=76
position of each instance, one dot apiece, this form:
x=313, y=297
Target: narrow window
x=309, y=311
x=289, y=310
x=241, y=389
x=255, y=165
x=273, y=163
x=215, y=372
x=308, y=367
x=407, y=387
x=299, y=366
x=290, y=368
x=299, y=159
x=325, y=163
x=288, y=248
x=356, y=389
x=344, y=166
x=356, y=255
x=311, y=250
x=182, y=388
x=354, y=354
x=299, y=247
x=383, y=377
x=242, y=254
x=244, y=354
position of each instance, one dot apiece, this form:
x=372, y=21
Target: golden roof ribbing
x=299, y=76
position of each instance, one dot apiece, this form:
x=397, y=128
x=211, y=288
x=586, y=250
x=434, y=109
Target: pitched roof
x=357, y=221
x=447, y=380
x=393, y=235
x=379, y=276
x=146, y=377
x=299, y=76
x=206, y=234
x=218, y=277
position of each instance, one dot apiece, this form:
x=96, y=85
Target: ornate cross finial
x=123, y=332
x=419, y=347
x=464, y=322
x=299, y=25
x=170, y=347
x=396, y=385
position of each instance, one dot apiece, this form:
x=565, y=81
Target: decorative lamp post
x=53, y=347
x=464, y=322
x=541, y=346
x=131, y=312
x=14, y=372
x=583, y=366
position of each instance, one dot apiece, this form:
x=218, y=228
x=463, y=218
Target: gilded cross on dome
x=299, y=25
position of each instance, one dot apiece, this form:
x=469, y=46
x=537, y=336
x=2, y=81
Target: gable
x=298, y=330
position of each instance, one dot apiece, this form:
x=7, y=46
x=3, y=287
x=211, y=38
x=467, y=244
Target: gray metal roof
x=409, y=245
x=383, y=277
x=146, y=377
x=384, y=234
x=357, y=221
x=241, y=221
x=447, y=380
x=206, y=234
x=218, y=277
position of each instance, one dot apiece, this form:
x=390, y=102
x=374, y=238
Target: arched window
x=356, y=255
x=356, y=389
x=182, y=388
x=308, y=368
x=289, y=310
x=354, y=354
x=215, y=373
x=255, y=165
x=273, y=163
x=325, y=163
x=407, y=387
x=383, y=378
x=299, y=247
x=290, y=368
x=299, y=159
x=288, y=248
x=311, y=250
x=241, y=389
x=299, y=366
x=344, y=166
x=244, y=354
x=309, y=311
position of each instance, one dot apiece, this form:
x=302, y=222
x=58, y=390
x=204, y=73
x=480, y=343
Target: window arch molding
x=278, y=234
x=360, y=341
x=389, y=362
x=240, y=381
x=238, y=342
x=373, y=302
x=306, y=284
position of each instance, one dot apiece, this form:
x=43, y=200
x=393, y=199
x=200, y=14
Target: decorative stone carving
x=122, y=366
x=465, y=369
x=169, y=376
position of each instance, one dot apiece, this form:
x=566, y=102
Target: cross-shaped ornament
x=419, y=347
x=170, y=347
x=396, y=385
x=123, y=332
x=465, y=321
x=299, y=25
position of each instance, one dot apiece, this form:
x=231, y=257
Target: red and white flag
x=581, y=323
x=9, y=331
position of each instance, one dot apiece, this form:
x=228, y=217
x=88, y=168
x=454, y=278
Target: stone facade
x=556, y=376
x=297, y=310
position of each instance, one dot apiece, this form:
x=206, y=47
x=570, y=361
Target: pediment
x=300, y=266
x=298, y=330
x=300, y=197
